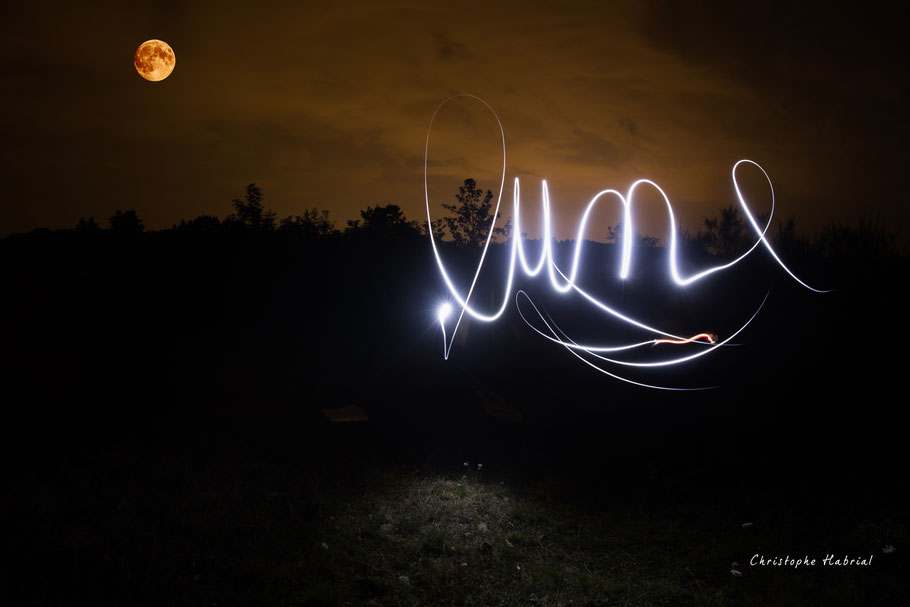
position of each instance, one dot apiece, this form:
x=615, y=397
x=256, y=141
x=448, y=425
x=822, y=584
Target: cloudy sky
x=327, y=104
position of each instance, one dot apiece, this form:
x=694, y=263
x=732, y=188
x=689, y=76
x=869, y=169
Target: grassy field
x=340, y=518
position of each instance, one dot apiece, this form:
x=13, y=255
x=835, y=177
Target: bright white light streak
x=568, y=283
x=572, y=345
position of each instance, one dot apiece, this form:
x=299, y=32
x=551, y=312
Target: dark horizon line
x=871, y=222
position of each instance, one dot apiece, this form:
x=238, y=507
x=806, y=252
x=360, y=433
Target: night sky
x=327, y=105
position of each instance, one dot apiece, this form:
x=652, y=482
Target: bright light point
x=445, y=310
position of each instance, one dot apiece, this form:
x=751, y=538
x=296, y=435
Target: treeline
x=251, y=216
x=726, y=235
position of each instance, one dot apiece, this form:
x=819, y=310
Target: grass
x=268, y=530
x=413, y=539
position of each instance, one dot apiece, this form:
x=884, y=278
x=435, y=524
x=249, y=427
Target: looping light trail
x=562, y=283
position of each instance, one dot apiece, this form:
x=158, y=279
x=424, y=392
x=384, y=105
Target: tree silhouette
x=505, y=231
x=473, y=215
x=615, y=234
x=313, y=223
x=726, y=235
x=203, y=223
x=87, y=225
x=387, y=220
x=126, y=222
x=438, y=226
x=250, y=211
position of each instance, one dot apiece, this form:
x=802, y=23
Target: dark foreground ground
x=164, y=443
x=365, y=515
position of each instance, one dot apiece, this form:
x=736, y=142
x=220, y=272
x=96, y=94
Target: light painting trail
x=708, y=337
x=562, y=283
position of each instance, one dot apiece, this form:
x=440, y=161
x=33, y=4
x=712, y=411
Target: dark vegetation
x=164, y=439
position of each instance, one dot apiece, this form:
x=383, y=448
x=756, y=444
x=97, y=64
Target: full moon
x=154, y=60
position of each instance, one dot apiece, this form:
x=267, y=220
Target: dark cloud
x=629, y=125
x=817, y=63
x=591, y=147
x=450, y=50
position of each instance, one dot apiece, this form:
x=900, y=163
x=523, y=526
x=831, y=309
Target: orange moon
x=154, y=60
